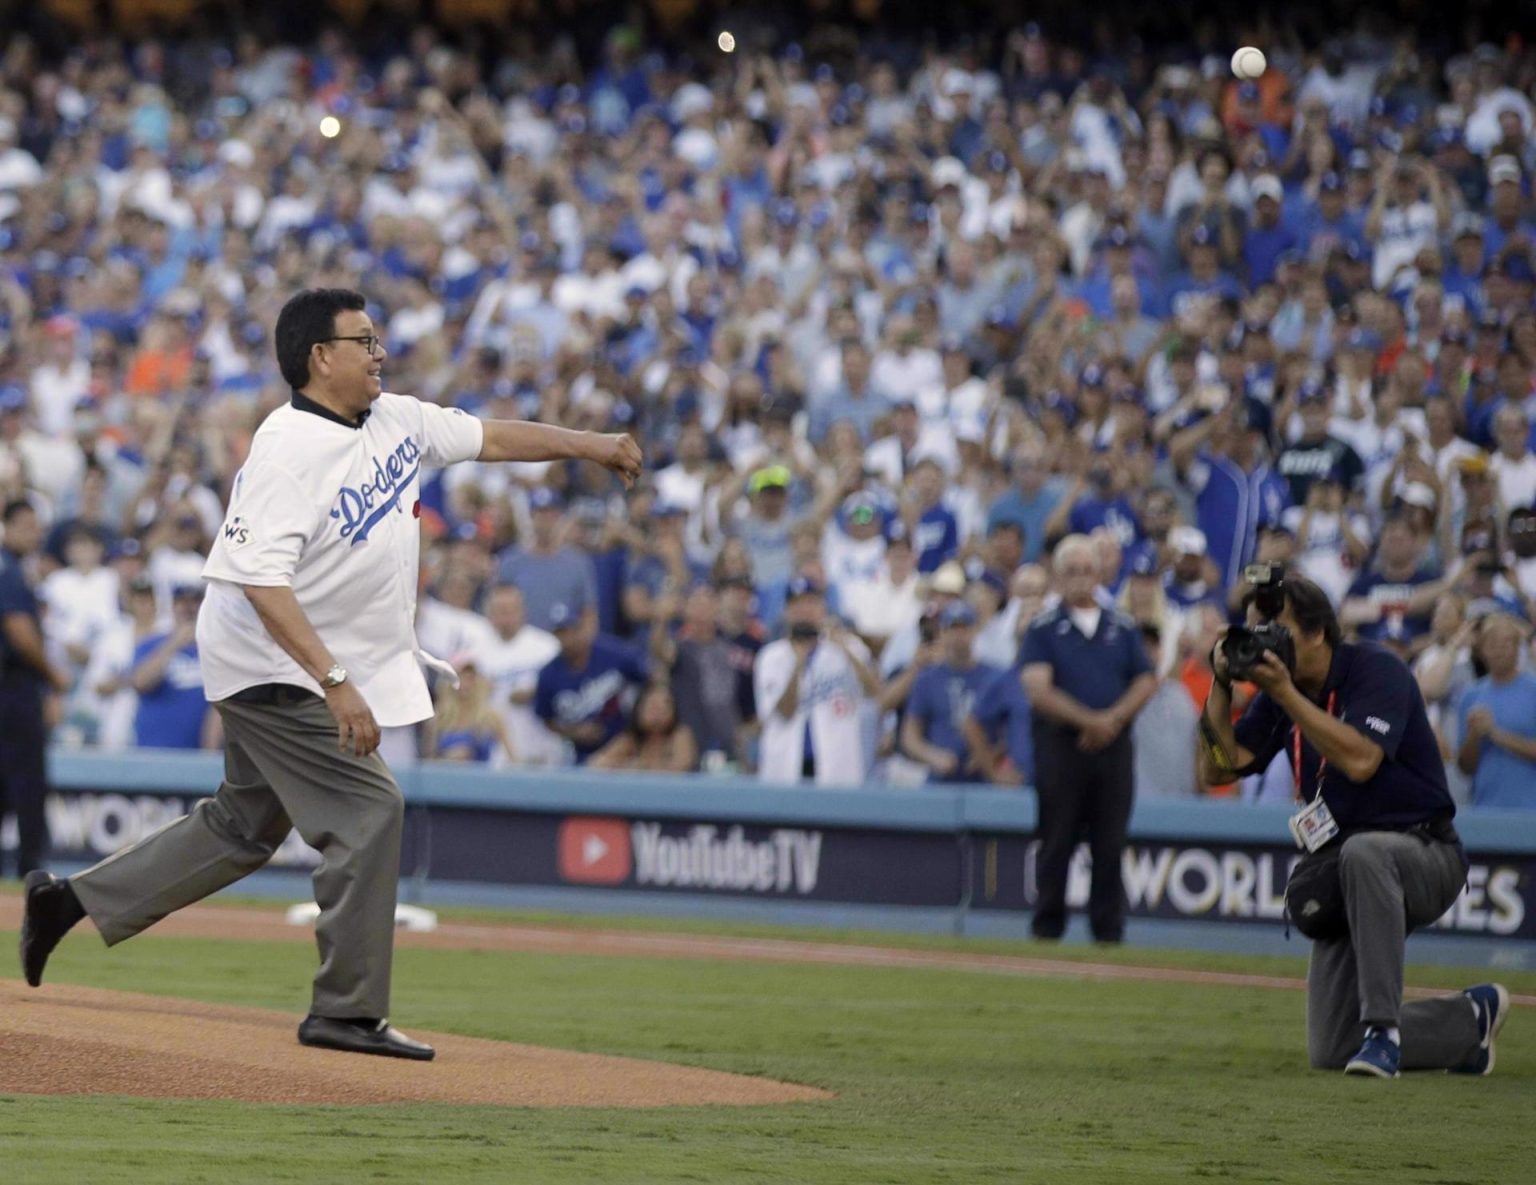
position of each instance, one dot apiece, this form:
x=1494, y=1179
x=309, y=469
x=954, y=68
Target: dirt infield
x=71, y=1040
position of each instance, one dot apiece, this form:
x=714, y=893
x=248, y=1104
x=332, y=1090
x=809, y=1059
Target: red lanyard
x=1322, y=766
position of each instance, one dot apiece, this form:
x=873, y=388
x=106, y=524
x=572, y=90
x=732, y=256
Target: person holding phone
x=813, y=686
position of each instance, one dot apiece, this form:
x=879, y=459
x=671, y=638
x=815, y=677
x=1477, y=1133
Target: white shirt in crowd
x=1321, y=556
x=880, y=608
x=1517, y=479
x=55, y=391
x=513, y=665
x=81, y=605
x=111, y=658
x=831, y=699
x=332, y=511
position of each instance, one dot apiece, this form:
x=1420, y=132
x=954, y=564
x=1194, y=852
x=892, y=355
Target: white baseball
x=726, y=41
x=1248, y=62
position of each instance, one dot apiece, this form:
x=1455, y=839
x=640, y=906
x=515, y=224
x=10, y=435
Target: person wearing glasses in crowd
x=307, y=646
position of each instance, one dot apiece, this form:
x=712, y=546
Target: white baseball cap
x=1268, y=185
x=1187, y=541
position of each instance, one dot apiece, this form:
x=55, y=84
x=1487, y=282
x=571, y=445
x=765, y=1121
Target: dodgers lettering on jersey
x=325, y=508
x=361, y=507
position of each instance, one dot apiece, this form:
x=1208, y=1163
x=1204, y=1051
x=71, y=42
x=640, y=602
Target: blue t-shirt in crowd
x=936, y=538
x=942, y=697
x=1396, y=624
x=565, y=578
x=1029, y=512
x=1262, y=248
x=1090, y=512
x=598, y=691
x=1377, y=695
x=1503, y=778
x=1002, y=710
x=171, y=713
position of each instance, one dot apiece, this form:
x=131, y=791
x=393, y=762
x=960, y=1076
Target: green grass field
x=941, y=1076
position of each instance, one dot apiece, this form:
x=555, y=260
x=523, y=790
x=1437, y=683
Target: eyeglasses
x=368, y=341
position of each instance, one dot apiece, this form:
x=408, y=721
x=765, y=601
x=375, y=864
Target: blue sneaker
x=1380, y=1056
x=1492, y=1003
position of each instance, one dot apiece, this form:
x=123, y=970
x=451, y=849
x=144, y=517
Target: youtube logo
x=594, y=851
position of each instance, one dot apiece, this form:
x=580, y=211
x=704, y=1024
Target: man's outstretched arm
x=523, y=440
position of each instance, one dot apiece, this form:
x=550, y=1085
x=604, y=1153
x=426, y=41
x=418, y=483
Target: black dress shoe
x=49, y=909
x=368, y=1036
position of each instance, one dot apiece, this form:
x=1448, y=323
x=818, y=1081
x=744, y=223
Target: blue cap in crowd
x=957, y=613
x=801, y=586
x=1312, y=392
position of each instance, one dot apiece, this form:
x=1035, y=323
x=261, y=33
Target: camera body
x=804, y=631
x=1245, y=646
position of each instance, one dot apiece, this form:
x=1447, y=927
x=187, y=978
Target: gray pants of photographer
x=1392, y=882
x=282, y=769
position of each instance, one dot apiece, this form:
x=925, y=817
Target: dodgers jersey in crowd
x=331, y=510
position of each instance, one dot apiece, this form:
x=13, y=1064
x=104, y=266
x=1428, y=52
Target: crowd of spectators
x=888, y=327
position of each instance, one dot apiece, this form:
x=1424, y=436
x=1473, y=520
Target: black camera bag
x=1314, y=895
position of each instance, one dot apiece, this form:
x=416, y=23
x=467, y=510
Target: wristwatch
x=334, y=677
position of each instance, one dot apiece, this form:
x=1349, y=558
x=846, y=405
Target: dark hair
x=650, y=691
x=308, y=318
x=1310, y=607
x=15, y=507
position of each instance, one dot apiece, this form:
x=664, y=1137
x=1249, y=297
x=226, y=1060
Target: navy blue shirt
x=942, y=697
x=1378, y=696
x=17, y=677
x=599, y=691
x=1094, y=671
x=1396, y=624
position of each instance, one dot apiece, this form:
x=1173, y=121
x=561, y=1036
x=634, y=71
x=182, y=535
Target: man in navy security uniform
x=1352, y=719
x=26, y=676
x=1087, y=676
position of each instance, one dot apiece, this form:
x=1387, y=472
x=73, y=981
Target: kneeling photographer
x=1382, y=855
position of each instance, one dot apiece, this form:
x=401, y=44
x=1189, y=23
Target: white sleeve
x=271, y=517
x=770, y=676
x=1197, y=475
x=449, y=435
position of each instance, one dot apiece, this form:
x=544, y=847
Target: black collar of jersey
x=304, y=403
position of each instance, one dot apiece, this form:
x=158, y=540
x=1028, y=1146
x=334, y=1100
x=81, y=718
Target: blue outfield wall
x=1200, y=874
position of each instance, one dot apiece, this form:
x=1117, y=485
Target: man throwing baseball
x=308, y=646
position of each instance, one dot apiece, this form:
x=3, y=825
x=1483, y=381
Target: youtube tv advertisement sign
x=784, y=862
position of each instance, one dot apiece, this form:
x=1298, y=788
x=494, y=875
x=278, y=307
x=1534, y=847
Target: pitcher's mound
x=60, y=1039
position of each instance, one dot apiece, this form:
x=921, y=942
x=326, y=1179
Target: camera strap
x=1333, y=699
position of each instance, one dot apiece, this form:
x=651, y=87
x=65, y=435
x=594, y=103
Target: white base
x=407, y=917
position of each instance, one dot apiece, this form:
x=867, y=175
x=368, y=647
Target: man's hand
x=944, y=763
x=587, y=733
x=1099, y=733
x=1271, y=676
x=617, y=451
x=1479, y=723
x=358, y=730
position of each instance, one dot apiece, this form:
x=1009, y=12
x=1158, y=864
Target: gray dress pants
x=282, y=769
x=1393, y=881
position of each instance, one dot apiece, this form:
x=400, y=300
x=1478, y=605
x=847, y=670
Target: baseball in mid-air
x=1248, y=62
x=727, y=42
